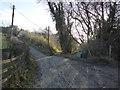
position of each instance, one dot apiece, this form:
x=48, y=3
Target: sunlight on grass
x=57, y=50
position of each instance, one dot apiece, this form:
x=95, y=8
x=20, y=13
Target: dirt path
x=59, y=72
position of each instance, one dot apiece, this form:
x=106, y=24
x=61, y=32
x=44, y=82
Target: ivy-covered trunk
x=58, y=14
x=64, y=36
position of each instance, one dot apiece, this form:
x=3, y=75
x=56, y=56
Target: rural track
x=60, y=72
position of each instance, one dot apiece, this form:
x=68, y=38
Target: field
x=3, y=42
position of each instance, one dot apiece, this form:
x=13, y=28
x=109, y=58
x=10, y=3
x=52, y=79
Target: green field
x=3, y=42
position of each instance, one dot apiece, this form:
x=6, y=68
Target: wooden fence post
x=110, y=52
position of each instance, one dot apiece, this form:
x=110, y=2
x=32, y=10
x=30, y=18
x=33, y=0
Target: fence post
x=110, y=52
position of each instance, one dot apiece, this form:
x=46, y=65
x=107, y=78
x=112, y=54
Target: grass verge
x=26, y=78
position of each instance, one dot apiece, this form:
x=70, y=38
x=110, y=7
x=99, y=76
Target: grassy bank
x=25, y=78
x=40, y=42
x=46, y=51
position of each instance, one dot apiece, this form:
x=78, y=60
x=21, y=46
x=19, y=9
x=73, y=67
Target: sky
x=28, y=15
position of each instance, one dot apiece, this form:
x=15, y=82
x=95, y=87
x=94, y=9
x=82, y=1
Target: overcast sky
x=37, y=13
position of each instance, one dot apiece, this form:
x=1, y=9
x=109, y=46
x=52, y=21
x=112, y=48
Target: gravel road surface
x=60, y=72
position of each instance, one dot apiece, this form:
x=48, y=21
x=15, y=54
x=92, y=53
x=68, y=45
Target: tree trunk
x=64, y=37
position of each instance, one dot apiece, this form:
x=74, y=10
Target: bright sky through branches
x=37, y=13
